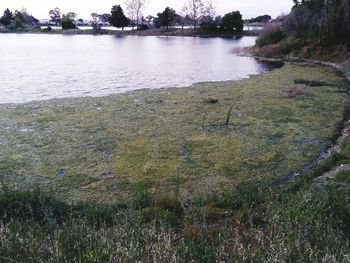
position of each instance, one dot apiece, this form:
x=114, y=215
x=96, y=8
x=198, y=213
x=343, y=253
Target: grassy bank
x=159, y=176
x=105, y=149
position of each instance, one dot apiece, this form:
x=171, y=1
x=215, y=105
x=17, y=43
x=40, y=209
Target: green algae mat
x=173, y=140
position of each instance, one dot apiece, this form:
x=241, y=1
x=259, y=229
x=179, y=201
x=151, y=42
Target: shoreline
x=145, y=90
x=152, y=162
x=343, y=129
x=342, y=132
x=149, y=32
x=159, y=113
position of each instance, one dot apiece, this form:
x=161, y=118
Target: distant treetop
x=260, y=19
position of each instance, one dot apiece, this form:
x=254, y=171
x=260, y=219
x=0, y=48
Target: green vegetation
x=108, y=147
x=343, y=176
x=196, y=13
x=68, y=21
x=103, y=149
x=259, y=19
x=117, y=17
x=187, y=175
x=273, y=223
x=55, y=15
x=326, y=22
x=7, y=17
x=144, y=178
x=166, y=18
x=271, y=34
x=232, y=22
x=314, y=29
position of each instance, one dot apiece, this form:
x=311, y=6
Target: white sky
x=249, y=8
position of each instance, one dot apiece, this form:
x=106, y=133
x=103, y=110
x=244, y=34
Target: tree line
x=311, y=22
x=328, y=21
x=195, y=13
x=17, y=18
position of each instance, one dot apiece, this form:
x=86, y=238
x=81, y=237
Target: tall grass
x=259, y=222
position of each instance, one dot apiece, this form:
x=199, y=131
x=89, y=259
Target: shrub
x=67, y=22
x=271, y=34
x=143, y=27
x=290, y=44
x=208, y=26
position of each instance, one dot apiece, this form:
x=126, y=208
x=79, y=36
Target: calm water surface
x=40, y=67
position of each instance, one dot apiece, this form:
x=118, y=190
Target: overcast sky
x=249, y=8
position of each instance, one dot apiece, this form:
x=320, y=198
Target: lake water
x=40, y=66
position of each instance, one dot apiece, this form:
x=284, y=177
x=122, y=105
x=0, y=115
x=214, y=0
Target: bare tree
x=197, y=9
x=134, y=9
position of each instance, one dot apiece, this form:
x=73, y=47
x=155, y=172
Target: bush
x=271, y=34
x=290, y=44
x=36, y=27
x=208, y=26
x=67, y=22
x=48, y=29
x=143, y=27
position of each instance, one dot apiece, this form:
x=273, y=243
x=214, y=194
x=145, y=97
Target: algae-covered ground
x=105, y=149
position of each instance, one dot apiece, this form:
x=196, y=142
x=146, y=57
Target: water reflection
x=38, y=67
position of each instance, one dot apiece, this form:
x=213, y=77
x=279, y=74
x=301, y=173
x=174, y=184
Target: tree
x=260, y=19
x=183, y=18
x=95, y=17
x=167, y=17
x=310, y=21
x=72, y=15
x=27, y=18
x=68, y=21
x=96, y=27
x=218, y=21
x=117, y=17
x=18, y=19
x=55, y=15
x=105, y=18
x=134, y=9
x=21, y=18
x=208, y=24
x=197, y=9
x=232, y=22
x=7, y=18
x=299, y=23
x=326, y=20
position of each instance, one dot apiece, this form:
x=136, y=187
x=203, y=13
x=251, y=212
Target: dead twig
x=229, y=114
x=7, y=259
x=204, y=117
